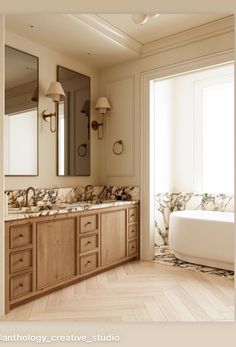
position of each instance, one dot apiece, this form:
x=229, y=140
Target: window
x=215, y=135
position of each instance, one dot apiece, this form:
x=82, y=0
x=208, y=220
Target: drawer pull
x=88, y=223
x=21, y=235
x=88, y=262
x=133, y=231
x=88, y=243
x=21, y=260
x=132, y=247
x=21, y=285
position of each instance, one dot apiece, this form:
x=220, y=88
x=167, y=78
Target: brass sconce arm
x=49, y=115
x=57, y=94
x=97, y=126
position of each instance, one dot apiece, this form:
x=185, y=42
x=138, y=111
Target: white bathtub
x=203, y=237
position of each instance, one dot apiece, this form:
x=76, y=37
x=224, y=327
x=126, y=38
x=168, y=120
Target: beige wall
x=129, y=108
x=48, y=59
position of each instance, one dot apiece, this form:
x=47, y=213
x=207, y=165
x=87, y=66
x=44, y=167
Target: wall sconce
x=57, y=94
x=102, y=106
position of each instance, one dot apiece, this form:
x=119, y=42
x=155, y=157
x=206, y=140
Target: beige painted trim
x=107, y=31
x=203, y=32
x=132, y=172
x=147, y=199
x=117, y=37
x=2, y=178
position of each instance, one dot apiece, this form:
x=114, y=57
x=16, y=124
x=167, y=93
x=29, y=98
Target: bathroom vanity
x=45, y=253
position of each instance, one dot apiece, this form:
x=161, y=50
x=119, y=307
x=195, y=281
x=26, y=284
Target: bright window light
x=218, y=138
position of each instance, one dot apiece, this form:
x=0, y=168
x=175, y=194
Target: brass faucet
x=27, y=195
x=88, y=192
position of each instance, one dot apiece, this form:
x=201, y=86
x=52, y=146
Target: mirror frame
x=57, y=144
x=34, y=56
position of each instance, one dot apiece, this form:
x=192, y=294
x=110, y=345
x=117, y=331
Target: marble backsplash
x=48, y=196
x=165, y=203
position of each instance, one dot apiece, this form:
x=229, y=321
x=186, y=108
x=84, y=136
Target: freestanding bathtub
x=203, y=237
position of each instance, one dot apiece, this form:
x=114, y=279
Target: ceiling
x=101, y=40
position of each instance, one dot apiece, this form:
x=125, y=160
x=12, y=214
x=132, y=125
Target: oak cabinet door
x=56, y=251
x=113, y=236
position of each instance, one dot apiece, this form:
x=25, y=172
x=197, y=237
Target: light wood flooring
x=137, y=291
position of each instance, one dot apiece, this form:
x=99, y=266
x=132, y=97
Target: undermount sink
x=58, y=206
x=16, y=210
x=72, y=204
x=107, y=201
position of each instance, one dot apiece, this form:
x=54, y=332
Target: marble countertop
x=36, y=211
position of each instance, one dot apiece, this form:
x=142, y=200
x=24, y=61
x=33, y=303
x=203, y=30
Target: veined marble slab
x=164, y=256
x=17, y=198
x=68, y=209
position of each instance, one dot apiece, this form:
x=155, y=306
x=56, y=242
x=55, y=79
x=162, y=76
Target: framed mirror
x=21, y=113
x=73, y=139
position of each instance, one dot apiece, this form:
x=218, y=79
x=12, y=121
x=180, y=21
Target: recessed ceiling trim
x=107, y=31
x=203, y=32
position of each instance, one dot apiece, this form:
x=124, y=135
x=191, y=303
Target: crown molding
x=107, y=31
x=203, y=32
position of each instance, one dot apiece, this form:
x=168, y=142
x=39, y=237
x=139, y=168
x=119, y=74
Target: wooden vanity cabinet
x=113, y=236
x=56, y=251
x=49, y=252
x=20, y=270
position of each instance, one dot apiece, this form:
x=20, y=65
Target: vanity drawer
x=132, y=248
x=20, y=285
x=132, y=215
x=88, y=223
x=88, y=243
x=88, y=263
x=20, y=261
x=20, y=235
x=132, y=231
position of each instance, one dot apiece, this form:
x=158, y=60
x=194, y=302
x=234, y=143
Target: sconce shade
x=55, y=92
x=102, y=105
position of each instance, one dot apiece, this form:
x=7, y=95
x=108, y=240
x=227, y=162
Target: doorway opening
x=191, y=148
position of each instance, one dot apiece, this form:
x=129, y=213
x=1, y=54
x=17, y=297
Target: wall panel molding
x=121, y=94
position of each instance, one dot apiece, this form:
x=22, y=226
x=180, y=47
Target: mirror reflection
x=21, y=113
x=73, y=145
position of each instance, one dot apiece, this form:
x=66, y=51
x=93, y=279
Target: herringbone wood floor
x=137, y=291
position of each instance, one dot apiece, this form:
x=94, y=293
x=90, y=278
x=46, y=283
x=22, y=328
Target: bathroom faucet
x=88, y=192
x=27, y=195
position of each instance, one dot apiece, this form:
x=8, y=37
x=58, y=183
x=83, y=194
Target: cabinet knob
x=88, y=223
x=88, y=262
x=21, y=284
x=21, y=235
x=89, y=243
x=21, y=260
x=132, y=215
